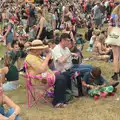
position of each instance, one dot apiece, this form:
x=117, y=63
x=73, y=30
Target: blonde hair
x=101, y=38
x=116, y=10
x=7, y=60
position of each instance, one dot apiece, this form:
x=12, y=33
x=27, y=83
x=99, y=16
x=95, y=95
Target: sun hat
x=37, y=44
x=20, y=26
x=97, y=2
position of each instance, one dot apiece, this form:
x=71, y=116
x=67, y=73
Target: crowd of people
x=45, y=35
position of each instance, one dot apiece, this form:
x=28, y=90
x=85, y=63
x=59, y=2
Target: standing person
x=97, y=14
x=42, y=26
x=24, y=17
x=115, y=22
x=10, y=33
x=32, y=17
x=50, y=23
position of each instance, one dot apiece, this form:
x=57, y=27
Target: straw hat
x=97, y=2
x=37, y=44
x=20, y=26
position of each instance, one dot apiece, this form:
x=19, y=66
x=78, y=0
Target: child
x=96, y=85
x=13, y=109
x=80, y=41
x=92, y=40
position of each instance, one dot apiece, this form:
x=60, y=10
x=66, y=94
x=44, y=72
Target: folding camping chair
x=32, y=92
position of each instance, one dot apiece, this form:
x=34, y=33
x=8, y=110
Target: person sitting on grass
x=74, y=49
x=15, y=54
x=99, y=50
x=13, y=109
x=96, y=84
x=92, y=41
x=9, y=74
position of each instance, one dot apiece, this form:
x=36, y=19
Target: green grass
x=83, y=108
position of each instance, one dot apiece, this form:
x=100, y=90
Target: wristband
x=14, y=114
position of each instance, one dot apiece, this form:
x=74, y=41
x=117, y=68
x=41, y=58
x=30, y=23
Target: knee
x=60, y=79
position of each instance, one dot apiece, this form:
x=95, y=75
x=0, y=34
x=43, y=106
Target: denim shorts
x=10, y=85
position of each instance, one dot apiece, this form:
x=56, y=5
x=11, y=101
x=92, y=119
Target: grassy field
x=83, y=108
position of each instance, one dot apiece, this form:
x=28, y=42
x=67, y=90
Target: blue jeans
x=10, y=112
x=81, y=68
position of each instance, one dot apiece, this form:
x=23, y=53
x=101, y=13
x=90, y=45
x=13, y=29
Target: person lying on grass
x=96, y=85
x=13, y=109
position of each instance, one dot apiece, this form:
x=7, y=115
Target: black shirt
x=22, y=13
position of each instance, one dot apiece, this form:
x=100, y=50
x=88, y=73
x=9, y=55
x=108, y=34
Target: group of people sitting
x=38, y=65
x=59, y=53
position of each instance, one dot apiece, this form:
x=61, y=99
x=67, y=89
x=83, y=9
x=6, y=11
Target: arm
x=84, y=82
x=11, y=104
x=3, y=117
x=87, y=85
x=9, y=27
x=72, y=37
x=63, y=59
x=41, y=27
x=38, y=67
x=54, y=23
x=100, y=50
x=3, y=71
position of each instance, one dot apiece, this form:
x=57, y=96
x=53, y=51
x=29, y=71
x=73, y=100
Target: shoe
x=96, y=97
x=115, y=84
x=1, y=59
x=103, y=94
x=111, y=94
x=115, y=76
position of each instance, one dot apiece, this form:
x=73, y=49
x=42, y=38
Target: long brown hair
x=7, y=60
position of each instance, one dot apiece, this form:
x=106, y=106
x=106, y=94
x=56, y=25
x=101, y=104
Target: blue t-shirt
x=89, y=80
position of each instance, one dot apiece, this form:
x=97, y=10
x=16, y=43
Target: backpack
x=76, y=84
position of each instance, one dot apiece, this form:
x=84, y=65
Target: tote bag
x=113, y=37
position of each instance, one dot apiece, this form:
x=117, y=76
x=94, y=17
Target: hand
x=98, y=87
x=49, y=56
x=92, y=87
x=37, y=37
x=12, y=117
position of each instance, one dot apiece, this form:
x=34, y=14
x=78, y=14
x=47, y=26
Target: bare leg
x=115, y=62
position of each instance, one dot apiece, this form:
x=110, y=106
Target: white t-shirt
x=58, y=52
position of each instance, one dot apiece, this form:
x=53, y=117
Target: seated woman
x=37, y=66
x=99, y=50
x=13, y=111
x=96, y=85
x=9, y=74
